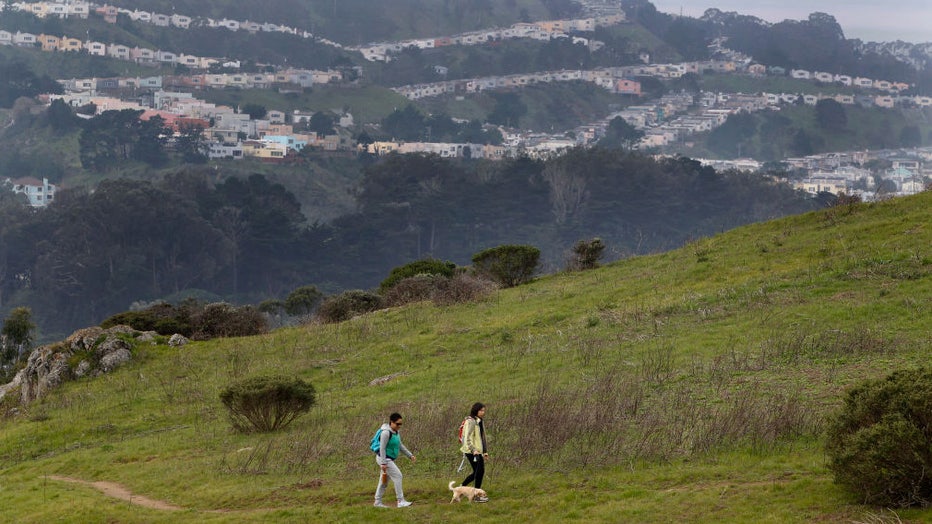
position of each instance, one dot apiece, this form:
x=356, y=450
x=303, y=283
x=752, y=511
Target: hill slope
x=688, y=386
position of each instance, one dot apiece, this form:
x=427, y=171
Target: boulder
x=87, y=352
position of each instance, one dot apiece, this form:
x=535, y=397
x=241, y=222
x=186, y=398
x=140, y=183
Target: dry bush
x=413, y=289
x=443, y=291
x=224, y=320
x=791, y=347
x=348, y=304
x=590, y=420
x=464, y=288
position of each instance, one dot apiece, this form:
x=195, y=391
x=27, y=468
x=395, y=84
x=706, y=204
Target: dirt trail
x=112, y=489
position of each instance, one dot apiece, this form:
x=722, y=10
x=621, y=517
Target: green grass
x=366, y=104
x=687, y=386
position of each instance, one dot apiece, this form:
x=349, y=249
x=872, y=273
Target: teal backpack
x=375, y=444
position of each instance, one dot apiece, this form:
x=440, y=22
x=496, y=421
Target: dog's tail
x=451, y=484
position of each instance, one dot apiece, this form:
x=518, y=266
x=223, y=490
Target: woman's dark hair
x=394, y=417
x=474, y=412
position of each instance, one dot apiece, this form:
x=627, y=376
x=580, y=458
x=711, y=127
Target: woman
x=474, y=447
x=387, y=446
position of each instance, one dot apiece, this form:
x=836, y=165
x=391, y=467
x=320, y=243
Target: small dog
x=465, y=491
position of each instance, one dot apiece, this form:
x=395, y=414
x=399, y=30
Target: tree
x=404, y=124
x=509, y=265
x=60, y=116
x=321, y=123
x=18, y=332
x=620, y=134
x=108, y=137
x=151, y=145
x=17, y=81
x=831, y=115
x=191, y=143
x=427, y=266
x=910, y=137
x=567, y=189
x=586, y=254
x=364, y=139
x=301, y=301
x=508, y=110
x=802, y=144
x=255, y=111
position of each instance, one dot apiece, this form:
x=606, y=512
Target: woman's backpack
x=459, y=432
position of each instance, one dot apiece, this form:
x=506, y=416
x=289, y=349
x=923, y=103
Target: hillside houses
x=542, y=30
x=298, y=78
x=54, y=9
x=612, y=79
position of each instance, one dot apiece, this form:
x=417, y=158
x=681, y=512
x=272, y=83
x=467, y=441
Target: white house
x=24, y=39
x=39, y=193
x=181, y=21
x=95, y=48
x=118, y=51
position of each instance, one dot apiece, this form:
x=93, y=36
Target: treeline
x=17, y=80
x=93, y=254
x=797, y=130
x=111, y=140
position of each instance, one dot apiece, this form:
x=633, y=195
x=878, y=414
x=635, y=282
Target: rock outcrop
x=87, y=352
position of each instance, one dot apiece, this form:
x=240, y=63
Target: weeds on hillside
x=791, y=347
x=886, y=516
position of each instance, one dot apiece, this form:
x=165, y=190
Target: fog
x=869, y=20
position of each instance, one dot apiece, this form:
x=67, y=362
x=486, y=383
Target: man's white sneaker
x=380, y=505
x=403, y=504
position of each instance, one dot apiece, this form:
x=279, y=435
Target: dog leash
x=462, y=463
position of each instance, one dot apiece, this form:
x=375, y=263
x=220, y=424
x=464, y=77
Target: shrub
x=224, y=320
x=880, y=442
x=509, y=265
x=301, y=301
x=17, y=333
x=427, y=266
x=586, y=254
x=163, y=318
x=440, y=290
x=413, y=289
x=267, y=403
x=272, y=306
x=464, y=288
x=348, y=304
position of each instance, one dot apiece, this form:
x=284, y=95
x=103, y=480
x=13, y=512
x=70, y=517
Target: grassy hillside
x=366, y=104
x=688, y=386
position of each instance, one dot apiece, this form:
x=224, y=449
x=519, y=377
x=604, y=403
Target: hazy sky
x=869, y=20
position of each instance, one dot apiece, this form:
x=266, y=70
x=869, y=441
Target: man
x=389, y=447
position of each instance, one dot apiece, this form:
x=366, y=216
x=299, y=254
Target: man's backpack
x=459, y=433
x=376, y=443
